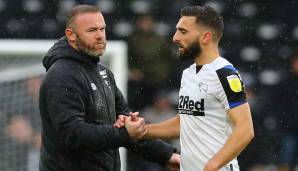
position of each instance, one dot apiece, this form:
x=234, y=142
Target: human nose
x=100, y=34
x=175, y=37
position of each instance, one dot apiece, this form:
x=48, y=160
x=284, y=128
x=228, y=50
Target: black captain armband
x=232, y=84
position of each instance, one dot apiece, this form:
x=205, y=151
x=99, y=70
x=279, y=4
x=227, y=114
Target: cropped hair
x=80, y=9
x=206, y=16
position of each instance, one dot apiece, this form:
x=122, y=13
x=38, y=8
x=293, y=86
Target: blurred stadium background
x=260, y=38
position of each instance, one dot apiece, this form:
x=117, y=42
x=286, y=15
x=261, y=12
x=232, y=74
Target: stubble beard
x=87, y=49
x=190, y=52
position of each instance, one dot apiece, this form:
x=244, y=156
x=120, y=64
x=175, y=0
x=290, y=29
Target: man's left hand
x=174, y=162
x=120, y=122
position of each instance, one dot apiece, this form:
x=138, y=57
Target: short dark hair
x=80, y=9
x=206, y=16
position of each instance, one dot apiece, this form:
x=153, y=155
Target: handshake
x=137, y=129
x=134, y=124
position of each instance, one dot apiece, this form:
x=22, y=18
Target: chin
x=182, y=57
x=100, y=53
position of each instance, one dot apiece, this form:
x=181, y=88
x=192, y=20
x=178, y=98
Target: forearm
x=239, y=139
x=168, y=129
x=153, y=150
x=93, y=137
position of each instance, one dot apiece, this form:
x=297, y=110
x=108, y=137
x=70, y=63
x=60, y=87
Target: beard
x=190, y=52
x=86, y=48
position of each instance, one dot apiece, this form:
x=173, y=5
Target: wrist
x=147, y=127
x=213, y=164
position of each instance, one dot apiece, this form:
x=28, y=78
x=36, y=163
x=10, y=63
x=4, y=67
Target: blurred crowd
x=20, y=124
x=260, y=38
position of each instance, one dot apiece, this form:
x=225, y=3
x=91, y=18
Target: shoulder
x=63, y=72
x=222, y=68
x=63, y=66
x=217, y=64
x=225, y=70
x=229, y=75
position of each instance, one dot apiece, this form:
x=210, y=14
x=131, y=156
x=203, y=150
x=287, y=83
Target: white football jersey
x=205, y=95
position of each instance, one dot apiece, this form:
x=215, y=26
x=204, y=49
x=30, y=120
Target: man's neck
x=73, y=45
x=207, y=56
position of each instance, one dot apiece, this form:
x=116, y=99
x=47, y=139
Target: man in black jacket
x=80, y=101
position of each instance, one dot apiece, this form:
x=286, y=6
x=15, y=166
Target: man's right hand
x=121, y=119
x=135, y=127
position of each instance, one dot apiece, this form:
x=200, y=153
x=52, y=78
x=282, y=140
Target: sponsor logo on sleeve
x=234, y=83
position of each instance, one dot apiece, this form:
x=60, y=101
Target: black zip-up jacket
x=79, y=102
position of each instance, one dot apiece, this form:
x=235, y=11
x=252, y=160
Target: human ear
x=206, y=37
x=69, y=33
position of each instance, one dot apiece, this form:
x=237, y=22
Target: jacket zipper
x=108, y=110
x=104, y=92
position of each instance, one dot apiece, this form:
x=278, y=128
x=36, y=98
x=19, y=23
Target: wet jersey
x=205, y=95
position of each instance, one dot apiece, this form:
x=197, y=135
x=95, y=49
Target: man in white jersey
x=214, y=119
x=214, y=116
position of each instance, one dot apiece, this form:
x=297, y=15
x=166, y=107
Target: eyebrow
x=181, y=29
x=95, y=27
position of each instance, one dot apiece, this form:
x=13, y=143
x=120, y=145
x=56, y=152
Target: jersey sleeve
x=231, y=91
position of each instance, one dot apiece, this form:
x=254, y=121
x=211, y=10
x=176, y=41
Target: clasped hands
x=137, y=129
x=135, y=125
